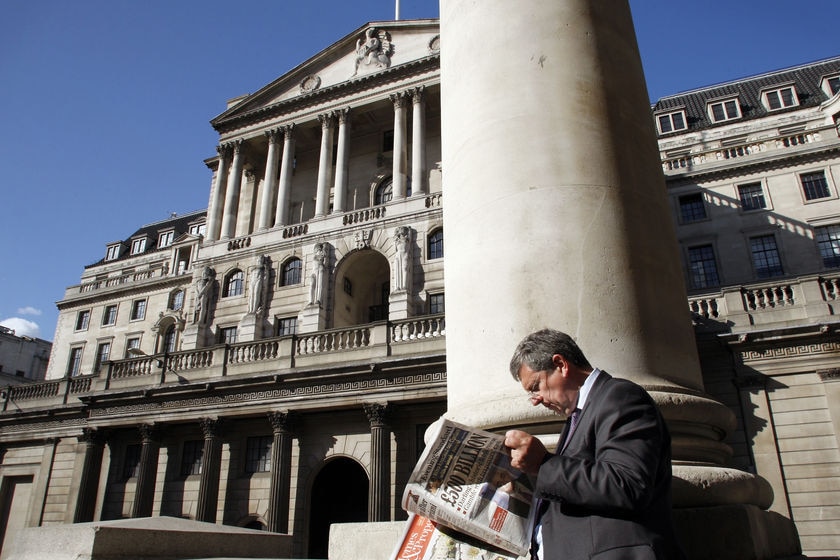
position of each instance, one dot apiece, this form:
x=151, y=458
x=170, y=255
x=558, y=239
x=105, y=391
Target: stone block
x=371, y=541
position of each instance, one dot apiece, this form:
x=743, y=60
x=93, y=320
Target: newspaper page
x=423, y=539
x=464, y=481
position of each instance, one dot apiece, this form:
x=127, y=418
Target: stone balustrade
x=140, y=275
x=418, y=328
x=364, y=215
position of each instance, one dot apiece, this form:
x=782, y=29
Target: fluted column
x=281, y=472
x=400, y=147
x=342, y=161
x=322, y=197
x=89, y=477
x=147, y=471
x=380, y=462
x=217, y=201
x=268, y=192
x=211, y=462
x=286, y=170
x=234, y=184
x=418, y=142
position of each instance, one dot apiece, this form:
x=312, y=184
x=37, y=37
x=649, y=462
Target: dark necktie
x=573, y=421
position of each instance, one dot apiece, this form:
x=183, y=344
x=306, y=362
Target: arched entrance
x=362, y=286
x=339, y=495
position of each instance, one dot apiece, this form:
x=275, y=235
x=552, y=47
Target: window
x=702, y=267
x=814, y=185
x=831, y=85
x=169, y=338
x=176, y=300
x=384, y=192
x=388, y=141
x=191, y=457
x=765, y=256
x=780, y=98
x=436, y=244
x=436, y=304
x=227, y=335
x=138, y=310
x=286, y=326
x=291, y=272
x=130, y=343
x=103, y=353
x=74, y=365
x=348, y=286
x=165, y=239
x=234, y=283
x=671, y=122
x=198, y=229
x=109, y=316
x=112, y=253
x=131, y=465
x=138, y=246
x=724, y=110
x=82, y=320
x=258, y=454
x=828, y=241
x=751, y=196
x=692, y=208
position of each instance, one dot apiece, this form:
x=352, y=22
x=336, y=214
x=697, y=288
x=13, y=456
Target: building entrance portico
x=339, y=495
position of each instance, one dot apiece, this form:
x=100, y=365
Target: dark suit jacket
x=609, y=491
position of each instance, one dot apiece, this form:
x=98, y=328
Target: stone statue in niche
x=257, y=286
x=374, y=50
x=316, y=278
x=402, y=257
x=203, y=293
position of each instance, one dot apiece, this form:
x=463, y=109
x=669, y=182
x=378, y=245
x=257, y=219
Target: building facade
x=23, y=359
x=274, y=361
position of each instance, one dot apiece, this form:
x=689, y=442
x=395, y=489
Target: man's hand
x=526, y=451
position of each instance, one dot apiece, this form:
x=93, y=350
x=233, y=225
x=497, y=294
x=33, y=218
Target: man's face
x=550, y=387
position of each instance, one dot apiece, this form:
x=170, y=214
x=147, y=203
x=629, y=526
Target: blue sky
x=104, y=104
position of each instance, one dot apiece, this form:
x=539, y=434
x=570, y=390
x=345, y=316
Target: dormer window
x=198, y=229
x=724, y=110
x=831, y=85
x=113, y=252
x=781, y=98
x=165, y=239
x=138, y=246
x=671, y=122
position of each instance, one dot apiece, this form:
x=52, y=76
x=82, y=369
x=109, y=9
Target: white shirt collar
x=586, y=387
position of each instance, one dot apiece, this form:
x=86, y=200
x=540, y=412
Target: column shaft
x=400, y=163
x=380, y=463
x=211, y=462
x=232, y=194
x=217, y=200
x=89, y=478
x=418, y=142
x=342, y=168
x=286, y=170
x=322, y=200
x=268, y=191
x=281, y=473
x=147, y=472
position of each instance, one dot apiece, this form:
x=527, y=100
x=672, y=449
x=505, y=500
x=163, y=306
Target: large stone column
x=281, y=472
x=400, y=163
x=217, y=200
x=322, y=195
x=342, y=166
x=147, y=472
x=232, y=193
x=380, y=462
x=268, y=192
x=286, y=170
x=211, y=464
x=89, y=479
x=553, y=188
x=418, y=142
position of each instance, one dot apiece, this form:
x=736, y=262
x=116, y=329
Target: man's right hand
x=526, y=451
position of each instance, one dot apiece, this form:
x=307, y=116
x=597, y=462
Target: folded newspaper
x=464, y=481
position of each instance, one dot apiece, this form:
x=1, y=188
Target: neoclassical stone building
x=274, y=361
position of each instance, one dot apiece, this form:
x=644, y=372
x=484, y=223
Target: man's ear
x=558, y=361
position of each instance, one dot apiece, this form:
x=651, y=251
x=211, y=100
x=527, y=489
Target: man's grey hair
x=537, y=350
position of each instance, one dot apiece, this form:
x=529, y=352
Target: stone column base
x=735, y=532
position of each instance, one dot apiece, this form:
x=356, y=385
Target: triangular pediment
x=373, y=49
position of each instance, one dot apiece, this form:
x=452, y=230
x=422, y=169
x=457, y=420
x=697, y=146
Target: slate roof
x=806, y=78
x=180, y=225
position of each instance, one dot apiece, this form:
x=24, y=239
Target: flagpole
x=397, y=11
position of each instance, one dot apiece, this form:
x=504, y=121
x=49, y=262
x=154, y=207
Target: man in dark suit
x=606, y=492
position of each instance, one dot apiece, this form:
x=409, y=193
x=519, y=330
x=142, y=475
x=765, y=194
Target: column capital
x=327, y=120
x=273, y=135
x=149, y=433
x=92, y=436
x=281, y=421
x=234, y=145
x=223, y=150
x=398, y=99
x=210, y=427
x=418, y=94
x=378, y=413
x=288, y=131
x=343, y=115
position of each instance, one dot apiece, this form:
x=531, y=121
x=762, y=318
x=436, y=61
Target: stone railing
x=295, y=230
x=137, y=276
x=364, y=215
x=333, y=341
x=767, y=297
x=434, y=200
x=418, y=328
x=747, y=149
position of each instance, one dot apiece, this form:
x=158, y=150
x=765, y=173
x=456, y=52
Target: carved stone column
x=268, y=192
x=342, y=161
x=281, y=218
x=217, y=200
x=380, y=462
x=322, y=196
x=281, y=472
x=234, y=184
x=89, y=478
x=418, y=142
x=211, y=462
x=147, y=471
x=400, y=146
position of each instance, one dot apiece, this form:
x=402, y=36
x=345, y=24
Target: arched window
x=176, y=300
x=169, y=339
x=384, y=192
x=436, y=244
x=291, y=272
x=234, y=283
